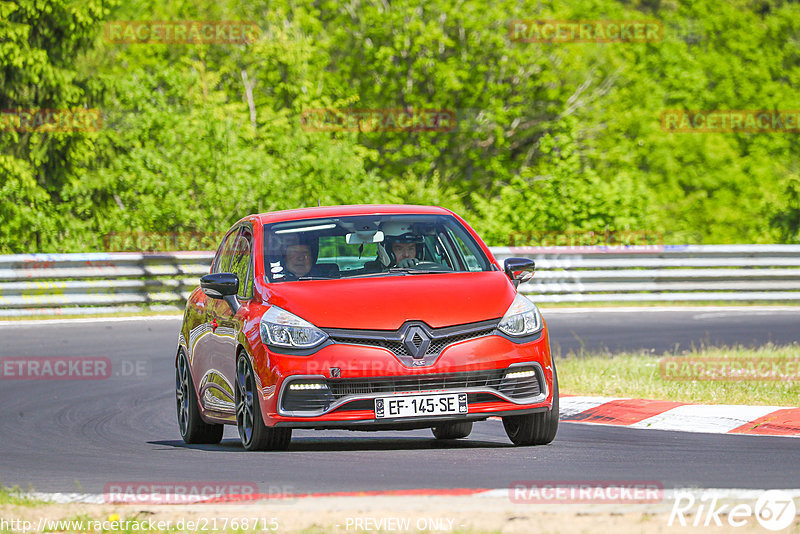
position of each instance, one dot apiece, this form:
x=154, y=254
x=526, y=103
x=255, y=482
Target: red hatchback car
x=362, y=318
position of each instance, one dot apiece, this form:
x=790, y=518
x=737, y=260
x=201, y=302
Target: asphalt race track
x=78, y=436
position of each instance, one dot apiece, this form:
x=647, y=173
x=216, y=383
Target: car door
x=214, y=387
x=226, y=325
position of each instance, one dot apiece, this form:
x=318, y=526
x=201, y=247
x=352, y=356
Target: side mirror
x=222, y=286
x=519, y=269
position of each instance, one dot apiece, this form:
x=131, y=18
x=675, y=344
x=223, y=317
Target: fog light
x=305, y=398
x=297, y=386
x=519, y=383
x=520, y=374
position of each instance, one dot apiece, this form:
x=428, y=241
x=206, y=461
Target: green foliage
x=560, y=192
x=787, y=217
x=38, y=45
x=549, y=136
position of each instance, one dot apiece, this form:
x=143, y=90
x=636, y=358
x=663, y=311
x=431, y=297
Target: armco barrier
x=50, y=284
x=661, y=273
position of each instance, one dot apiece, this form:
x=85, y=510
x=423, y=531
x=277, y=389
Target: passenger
x=299, y=259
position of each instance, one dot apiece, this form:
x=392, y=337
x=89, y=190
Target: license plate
x=420, y=405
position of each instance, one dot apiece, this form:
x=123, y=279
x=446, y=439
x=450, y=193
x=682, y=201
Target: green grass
x=15, y=496
x=640, y=375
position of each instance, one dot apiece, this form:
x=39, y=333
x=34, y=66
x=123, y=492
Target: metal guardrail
x=662, y=273
x=53, y=284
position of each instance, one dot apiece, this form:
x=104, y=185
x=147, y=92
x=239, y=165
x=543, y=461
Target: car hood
x=385, y=303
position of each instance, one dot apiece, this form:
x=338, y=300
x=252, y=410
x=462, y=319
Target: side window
x=465, y=253
x=222, y=262
x=215, y=265
x=242, y=261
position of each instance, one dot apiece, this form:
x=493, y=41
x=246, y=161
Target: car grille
x=436, y=346
x=342, y=388
x=319, y=400
x=394, y=340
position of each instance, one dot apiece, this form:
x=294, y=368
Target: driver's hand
x=407, y=262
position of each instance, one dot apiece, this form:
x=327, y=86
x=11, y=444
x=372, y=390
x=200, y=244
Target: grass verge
x=15, y=497
x=645, y=375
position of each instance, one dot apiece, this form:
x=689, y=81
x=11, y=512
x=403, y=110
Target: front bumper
x=343, y=383
x=337, y=395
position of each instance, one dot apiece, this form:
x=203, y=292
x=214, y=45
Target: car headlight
x=284, y=329
x=522, y=318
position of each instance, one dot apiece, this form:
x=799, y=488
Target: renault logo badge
x=416, y=342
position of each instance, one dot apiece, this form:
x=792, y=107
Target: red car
x=362, y=318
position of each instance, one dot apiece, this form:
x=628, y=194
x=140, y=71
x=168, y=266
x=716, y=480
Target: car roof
x=342, y=211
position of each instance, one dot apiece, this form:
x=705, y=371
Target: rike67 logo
x=774, y=510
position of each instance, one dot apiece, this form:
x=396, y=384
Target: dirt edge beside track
x=467, y=514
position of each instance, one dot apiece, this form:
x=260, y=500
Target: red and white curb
x=670, y=415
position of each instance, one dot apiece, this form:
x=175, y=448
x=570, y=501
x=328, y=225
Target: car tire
x=191, y=425
x=536, y=428
x=255, y=435
x=454, y=430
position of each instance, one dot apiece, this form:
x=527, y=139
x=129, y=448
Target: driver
x=400, y=247
x=405, y=253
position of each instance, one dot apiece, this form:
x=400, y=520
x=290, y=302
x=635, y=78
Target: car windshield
x=365, y=246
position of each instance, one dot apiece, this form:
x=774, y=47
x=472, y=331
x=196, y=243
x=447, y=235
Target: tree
x=39, y=43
